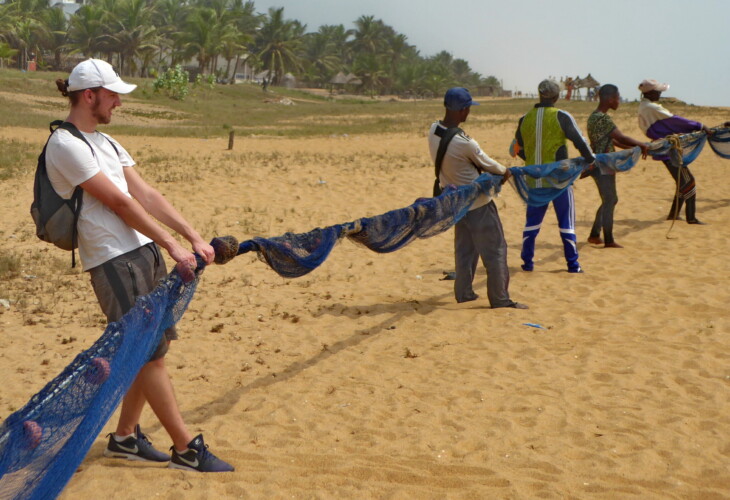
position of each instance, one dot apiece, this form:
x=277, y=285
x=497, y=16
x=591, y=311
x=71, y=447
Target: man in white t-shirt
x=479, y=233
x=119, y=244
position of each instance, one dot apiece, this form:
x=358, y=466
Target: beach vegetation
x=225, y=41
x=15, y=158
x=10, y=263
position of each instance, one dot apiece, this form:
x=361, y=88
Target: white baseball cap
x=94, y=73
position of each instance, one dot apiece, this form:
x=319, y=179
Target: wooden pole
x=230, y=140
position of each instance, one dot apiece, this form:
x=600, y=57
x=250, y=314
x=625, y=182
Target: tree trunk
x=235, y=68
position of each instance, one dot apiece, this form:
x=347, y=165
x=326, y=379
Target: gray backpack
x=55, y=217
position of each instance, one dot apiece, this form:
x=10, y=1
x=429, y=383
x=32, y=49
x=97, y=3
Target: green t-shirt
x=600, y=126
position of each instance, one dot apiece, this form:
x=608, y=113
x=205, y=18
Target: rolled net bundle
x=296, y=254
x=720, y=142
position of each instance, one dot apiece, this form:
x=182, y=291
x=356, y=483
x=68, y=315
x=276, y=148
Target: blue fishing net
x=292, y=255
x=690, y=144
x=557, y=176
x=43, y=443
x=720, y=142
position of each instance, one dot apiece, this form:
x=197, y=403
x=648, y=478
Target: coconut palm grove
x=224, y=41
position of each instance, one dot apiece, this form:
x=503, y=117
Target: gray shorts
x=118, y=282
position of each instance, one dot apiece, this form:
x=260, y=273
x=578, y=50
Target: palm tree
x=110, y=20
x=21, y=28
x=6, y=52
x=86, y=31
x=56, y=28
x=225, y=31
x=144, y=33
x=247, y=22
x=28, y=33
x=397, y=51
x=277, y=44
x=168, y=19
x=133, y=33
x=443, y=58
x=369, y=35
x=321, y=58
x=339, y=37
x=371, y=69
x=437, y=76
x=199, y=36
x=8, y=18
x=463, y=74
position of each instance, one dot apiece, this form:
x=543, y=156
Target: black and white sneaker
x=198, y=458
x=135, y=448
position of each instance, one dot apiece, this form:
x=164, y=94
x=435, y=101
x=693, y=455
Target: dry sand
x=365, y=379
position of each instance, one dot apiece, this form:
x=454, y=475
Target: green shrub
x=175, y=82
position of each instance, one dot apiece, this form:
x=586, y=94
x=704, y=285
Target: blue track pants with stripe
x=565, y=210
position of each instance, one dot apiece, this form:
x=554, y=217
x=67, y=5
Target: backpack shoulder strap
x=446, y=136
x=54, y=125
x=111, y=143
x=75, y=132
x=77, y=198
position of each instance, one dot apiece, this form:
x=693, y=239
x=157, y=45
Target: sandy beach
x=364, y=379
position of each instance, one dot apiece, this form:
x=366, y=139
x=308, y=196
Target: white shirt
x=103, y=235
x=462, y=159
x=650, y=113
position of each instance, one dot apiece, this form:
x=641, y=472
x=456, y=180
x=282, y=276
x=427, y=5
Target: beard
x=101, y=117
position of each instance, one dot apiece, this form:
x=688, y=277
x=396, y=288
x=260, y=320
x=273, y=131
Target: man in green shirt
x=604, y=135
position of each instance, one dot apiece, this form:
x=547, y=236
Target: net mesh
x=43, y=443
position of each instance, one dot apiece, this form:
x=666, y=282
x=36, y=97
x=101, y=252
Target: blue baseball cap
x=458, y=98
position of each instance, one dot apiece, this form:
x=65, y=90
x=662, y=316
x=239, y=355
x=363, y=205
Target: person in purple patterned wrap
x=658, y=122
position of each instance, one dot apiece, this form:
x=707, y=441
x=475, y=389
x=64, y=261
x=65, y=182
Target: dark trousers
x=604, y=216
x=687, y=192
x=480, y=234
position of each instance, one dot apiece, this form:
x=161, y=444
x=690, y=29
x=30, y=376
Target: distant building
x=69, y=6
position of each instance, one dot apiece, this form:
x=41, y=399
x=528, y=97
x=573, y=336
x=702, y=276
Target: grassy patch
x=214, y=112
x=248, y=111
x=9, y=265
x=15, y=158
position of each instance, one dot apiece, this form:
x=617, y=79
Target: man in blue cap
x=459, y=161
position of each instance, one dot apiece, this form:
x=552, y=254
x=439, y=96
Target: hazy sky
x=685, y=43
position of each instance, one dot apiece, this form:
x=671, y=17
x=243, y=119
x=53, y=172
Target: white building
x=69, y=6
